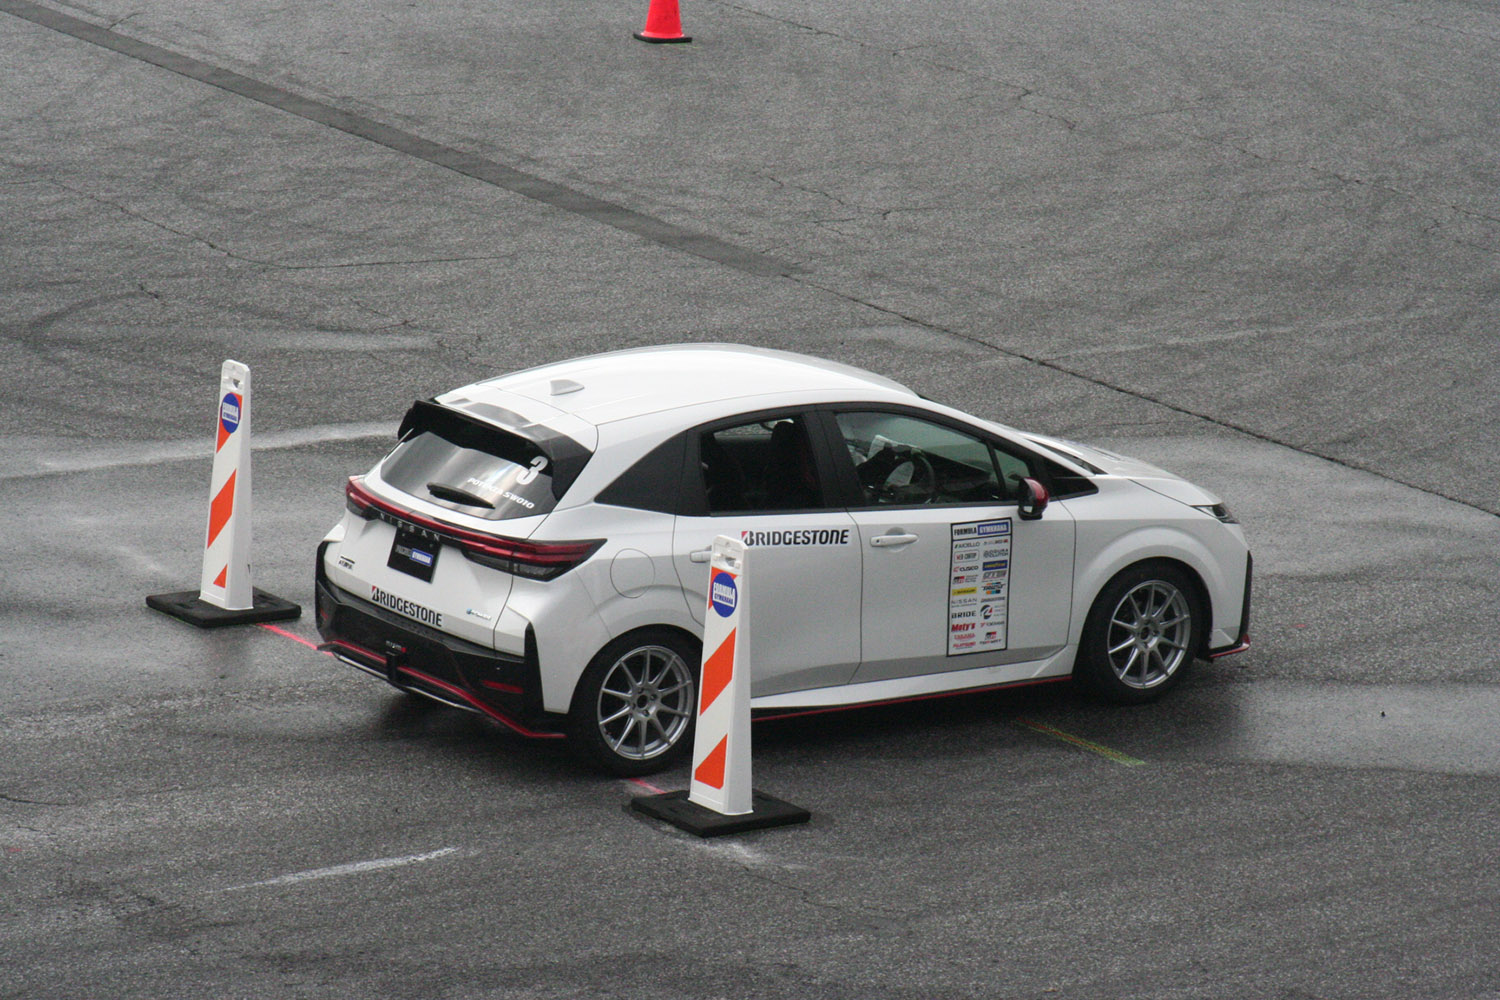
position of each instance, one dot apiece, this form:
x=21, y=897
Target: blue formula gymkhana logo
x=229, y=413
x=723, y=594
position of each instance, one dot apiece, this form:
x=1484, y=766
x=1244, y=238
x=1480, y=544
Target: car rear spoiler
x=477, y=430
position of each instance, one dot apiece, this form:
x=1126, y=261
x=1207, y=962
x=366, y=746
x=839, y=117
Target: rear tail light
x=358, y=500
x=534, y=560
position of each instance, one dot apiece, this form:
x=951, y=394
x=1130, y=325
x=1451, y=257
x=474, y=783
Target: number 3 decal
x=530, y=472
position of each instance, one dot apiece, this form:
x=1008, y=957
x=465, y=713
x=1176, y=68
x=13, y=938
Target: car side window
x=762, y=465
x=1013, y=469
x=653, y=483
x=900, y=460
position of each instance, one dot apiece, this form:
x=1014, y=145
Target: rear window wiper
x=455, y=495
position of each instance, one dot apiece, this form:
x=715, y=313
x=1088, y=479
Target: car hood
x=1141, y=473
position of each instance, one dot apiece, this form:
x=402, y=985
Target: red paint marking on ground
x=647, y=786
x=290, y=635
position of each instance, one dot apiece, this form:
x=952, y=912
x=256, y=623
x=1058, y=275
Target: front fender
x=1102, y=554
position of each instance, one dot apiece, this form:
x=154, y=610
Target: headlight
x=1218, y=511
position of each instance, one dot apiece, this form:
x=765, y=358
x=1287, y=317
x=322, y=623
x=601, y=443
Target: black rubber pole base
x=661, y=41
x=187, y=606
x=674, y=807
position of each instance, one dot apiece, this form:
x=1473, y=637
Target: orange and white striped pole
x=721, y=747
x=225, y=582
x=224, y=595
x=720, y=799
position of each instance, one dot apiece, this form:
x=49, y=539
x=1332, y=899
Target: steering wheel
x=910, y=480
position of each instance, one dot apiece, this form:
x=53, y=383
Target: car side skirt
x=1058, y=666
x=770, y=715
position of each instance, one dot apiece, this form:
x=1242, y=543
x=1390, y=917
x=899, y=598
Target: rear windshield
x=472, y=467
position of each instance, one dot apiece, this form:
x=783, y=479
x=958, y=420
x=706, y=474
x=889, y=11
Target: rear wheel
x=633, y=709
x=1144, y=629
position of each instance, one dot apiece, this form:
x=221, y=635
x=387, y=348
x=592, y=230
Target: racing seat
x=791, y=475
x=723, y=482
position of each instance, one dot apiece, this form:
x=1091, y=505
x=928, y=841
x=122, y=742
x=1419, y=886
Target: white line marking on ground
x=352, y=868
x=27, y=456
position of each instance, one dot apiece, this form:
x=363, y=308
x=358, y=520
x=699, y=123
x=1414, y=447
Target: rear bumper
x=413, y=657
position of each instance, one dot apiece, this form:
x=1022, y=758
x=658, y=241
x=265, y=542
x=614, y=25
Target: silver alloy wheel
x=645, y=702
x=1150, y=633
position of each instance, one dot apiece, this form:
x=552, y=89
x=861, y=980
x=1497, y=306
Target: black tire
x=1145, y=628
x=635, y=705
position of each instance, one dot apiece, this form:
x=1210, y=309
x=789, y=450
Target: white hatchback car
x=535, y=549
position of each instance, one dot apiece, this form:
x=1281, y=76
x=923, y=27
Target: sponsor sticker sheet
x=978, y=586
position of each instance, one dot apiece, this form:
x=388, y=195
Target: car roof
x=620, y=385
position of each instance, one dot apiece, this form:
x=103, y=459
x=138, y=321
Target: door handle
x=892, y=538
x=701, y=556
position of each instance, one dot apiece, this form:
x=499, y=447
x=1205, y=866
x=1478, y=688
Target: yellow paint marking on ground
x=1078, y=741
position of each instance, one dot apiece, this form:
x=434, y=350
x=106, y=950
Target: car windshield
x=476, y=469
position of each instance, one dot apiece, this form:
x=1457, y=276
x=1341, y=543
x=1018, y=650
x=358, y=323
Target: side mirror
x=1034, y=499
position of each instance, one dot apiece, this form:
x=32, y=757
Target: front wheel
x=1144, y=629
x=633, y=709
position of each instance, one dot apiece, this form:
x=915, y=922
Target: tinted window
x=900, y=460
x=764, y=465
x=653, y=483
x=485, y=472
x=1066, y=483
x=1012, y=471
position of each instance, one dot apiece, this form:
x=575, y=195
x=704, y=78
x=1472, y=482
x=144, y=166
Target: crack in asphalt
x=1348, y=180
x=35, y=330
x=202, y=241
x=30, y=802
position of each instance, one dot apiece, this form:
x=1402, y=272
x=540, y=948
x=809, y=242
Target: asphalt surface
x=1257, y=246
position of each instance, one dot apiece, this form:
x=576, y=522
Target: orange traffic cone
x=662, y=23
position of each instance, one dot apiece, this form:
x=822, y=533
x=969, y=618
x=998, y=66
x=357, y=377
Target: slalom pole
x=224, y=595
x=721, y=799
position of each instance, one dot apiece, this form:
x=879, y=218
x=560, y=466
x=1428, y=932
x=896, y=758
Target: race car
x=536, y=549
